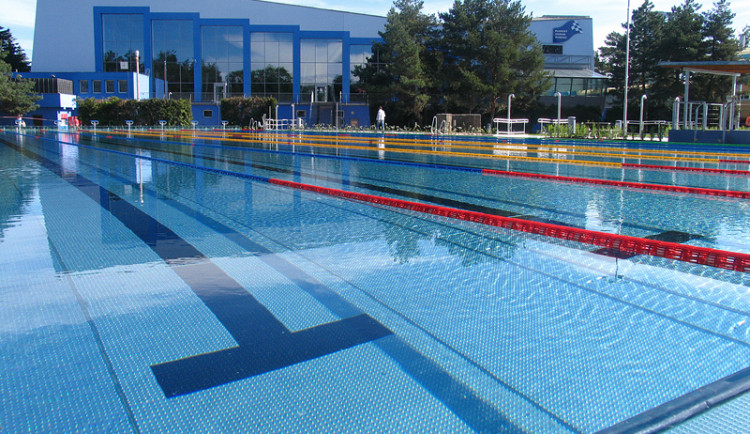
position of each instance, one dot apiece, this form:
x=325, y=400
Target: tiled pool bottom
x=536, y=339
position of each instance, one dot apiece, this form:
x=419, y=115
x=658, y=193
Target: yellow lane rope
x=551, y=149
x=397, y=150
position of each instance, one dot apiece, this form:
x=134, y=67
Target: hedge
x=114, y=111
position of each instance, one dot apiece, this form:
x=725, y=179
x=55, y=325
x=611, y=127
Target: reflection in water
x=403, y=243
x=18, y=180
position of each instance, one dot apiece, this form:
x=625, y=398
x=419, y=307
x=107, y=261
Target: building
x=568, y=45
x=206, y=51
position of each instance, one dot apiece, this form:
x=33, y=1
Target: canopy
x=718, y=68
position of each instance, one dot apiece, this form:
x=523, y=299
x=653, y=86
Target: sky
x=607, y=15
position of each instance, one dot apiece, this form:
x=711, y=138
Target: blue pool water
x=158, y=284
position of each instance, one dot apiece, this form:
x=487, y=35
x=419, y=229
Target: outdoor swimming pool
x=181, y=282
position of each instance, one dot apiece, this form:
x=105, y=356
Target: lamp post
x=559, y=105
x=137, y=76
x=643, y=103
x=511, y=96
x=165, y=75
x=627, y=72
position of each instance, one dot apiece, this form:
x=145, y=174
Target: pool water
x=158, y=283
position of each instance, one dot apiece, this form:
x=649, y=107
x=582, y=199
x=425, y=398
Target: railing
x=510, y=123
x=282, y=124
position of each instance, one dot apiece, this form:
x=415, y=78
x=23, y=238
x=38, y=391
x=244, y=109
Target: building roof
x=574, y=73
x=718, y=68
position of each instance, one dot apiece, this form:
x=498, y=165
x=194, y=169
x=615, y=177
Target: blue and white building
x=568, y=45
x=205, y=51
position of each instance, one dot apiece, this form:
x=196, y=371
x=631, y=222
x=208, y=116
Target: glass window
x=208, y=113
x=173, y=48
x=577, y=87
x=109, y=86
x=563, y=86
x=321, y=68
x=97, y=86
x=359, y=56
x=122, y=36
x=122, y=86
x=271, y=56
x=222, y=48
x=84, y=86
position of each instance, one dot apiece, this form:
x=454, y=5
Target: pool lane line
x=735, y=161
x=580, y=180
x=417, y=151
x=625, y=184
x=640, y=246
x=659, y=233
x=685, y=169
x=488, y=156
x=407, y=147
x=543, y=147
x=455, y=395
x=633, y=245
x=683, y=408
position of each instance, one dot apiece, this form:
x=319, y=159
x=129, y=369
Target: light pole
x=559, y=104
x=627, y=72
x=643, y=104
x=511, y=96
x=137, y=76
x=165, y=75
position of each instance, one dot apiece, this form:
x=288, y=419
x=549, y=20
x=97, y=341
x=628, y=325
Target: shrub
x=114, y=111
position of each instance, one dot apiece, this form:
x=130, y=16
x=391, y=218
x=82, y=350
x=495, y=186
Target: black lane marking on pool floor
x=264, y=343
x=683, y=408
x=460, y=399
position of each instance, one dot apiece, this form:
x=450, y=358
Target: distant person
x=747, y=121
x=380, y=120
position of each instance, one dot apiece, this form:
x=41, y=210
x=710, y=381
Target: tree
x=489, y=53
x=682, y=35
x=16, y=94
x=15, y=56
x=720, y=45
x=399, y=76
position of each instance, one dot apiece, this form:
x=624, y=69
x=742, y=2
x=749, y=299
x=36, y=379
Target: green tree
x=14, y=54
x=682, y=42
x=489, y=53
x=399, y=80
x=17, y=95
x=682, y=35
x=720, y=45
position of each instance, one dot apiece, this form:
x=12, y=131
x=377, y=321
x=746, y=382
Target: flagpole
x=627, y=72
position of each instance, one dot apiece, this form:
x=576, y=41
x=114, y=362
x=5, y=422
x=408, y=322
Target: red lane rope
x=640, y=185
x=638, y=246
x=735, y=161
x=687, y=169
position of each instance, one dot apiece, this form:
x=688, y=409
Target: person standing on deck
x=380, y=119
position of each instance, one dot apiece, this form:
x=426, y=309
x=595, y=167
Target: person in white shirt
x=380, y=120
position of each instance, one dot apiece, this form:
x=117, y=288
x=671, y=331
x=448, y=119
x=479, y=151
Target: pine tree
x=489, y=53
x=15, y=56
x=16, y=94
x=399, y=80
x=720, y=45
